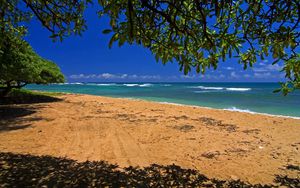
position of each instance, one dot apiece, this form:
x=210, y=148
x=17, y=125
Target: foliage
x=60, y=17
x=197, y=34
x=20, y=65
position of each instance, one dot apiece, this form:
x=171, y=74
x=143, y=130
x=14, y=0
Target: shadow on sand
x=15, y=118
x=27, y=98
x=16, y=110
x=17, y=170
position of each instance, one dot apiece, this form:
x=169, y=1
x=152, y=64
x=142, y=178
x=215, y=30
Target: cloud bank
x=261, y=72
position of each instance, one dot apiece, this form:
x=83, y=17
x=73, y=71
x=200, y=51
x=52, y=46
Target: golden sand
x=220, y=144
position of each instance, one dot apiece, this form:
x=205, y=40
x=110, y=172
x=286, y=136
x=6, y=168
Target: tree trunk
x=6, y=90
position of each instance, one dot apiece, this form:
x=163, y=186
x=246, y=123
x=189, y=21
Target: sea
x=244, y=97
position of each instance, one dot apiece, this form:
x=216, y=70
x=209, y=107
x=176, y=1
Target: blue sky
x=88, y=59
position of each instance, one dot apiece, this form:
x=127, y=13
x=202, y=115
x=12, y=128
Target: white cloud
x=247, y=75
x=234, y=75
x=172, y=78
x=267, y=68
x=77, y=76
x=188, y=76
x=207, y=76
x=263, y=75
x=150, y=77
x=229, y=68
x=109, y=76
x=134, y=76
x=222, y=76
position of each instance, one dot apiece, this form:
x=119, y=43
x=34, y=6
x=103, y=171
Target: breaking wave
x=146, y=85
x=219, y=89
x=130, y=85
x=238, y=89
x=138, y=85
x=208, y=88
x=239, y=110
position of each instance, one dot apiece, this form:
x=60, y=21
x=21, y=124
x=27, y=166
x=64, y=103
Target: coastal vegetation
x=20, y=65
x=196, y=34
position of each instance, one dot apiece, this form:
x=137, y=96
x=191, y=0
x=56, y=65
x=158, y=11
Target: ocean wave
x=239, y=110
x=166, y=85
x=146, y=85
x=238, y=89
x=111, y=84
x=221, y=88
x=130, y=85
x=232, y=109
x=138, y=85
x=260, y=113
x=207, y=88
x=58, y=84
x=203, y=91
x=72, y=83
x=172, y=103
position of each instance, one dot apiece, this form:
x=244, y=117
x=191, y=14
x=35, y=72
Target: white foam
x=73, y=83
x=238, y=89
x=260, y=113
x=207, y=88
x=146, y=85
x=202, y=91
x=176, y=104
x=111, y=84
x=221, y=88
x=231, y=109
x=239, y=110
x=130, y=85
x=166, y=85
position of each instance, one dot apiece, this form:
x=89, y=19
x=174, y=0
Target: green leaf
x=113, y=39
x=106, y=31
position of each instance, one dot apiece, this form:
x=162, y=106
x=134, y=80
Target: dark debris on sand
x=183, y=128
x=218, y=124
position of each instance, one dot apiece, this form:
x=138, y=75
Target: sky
x=87, y=58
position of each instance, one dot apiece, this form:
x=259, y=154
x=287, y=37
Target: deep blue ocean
x=248, y=97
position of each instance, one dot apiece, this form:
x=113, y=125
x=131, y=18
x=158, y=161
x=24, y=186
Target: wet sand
x=220, y=144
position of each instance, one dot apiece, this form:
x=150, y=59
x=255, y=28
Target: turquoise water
x=249, y=97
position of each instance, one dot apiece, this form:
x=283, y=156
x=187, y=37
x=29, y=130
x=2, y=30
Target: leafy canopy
x=196, y=33
x=199, y=34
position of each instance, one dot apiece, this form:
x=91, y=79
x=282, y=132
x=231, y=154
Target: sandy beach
x=220, y=144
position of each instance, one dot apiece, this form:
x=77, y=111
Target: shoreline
x=180, y=104
x=211, y=108
x=232, y=110
x=244, y=97
x=133, y=132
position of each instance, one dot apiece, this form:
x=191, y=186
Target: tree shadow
x=18, y=170
x=15, y=118
x=27, y=98
x=15, y=109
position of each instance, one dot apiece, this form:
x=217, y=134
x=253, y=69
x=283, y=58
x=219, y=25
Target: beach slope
x=220, y=144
